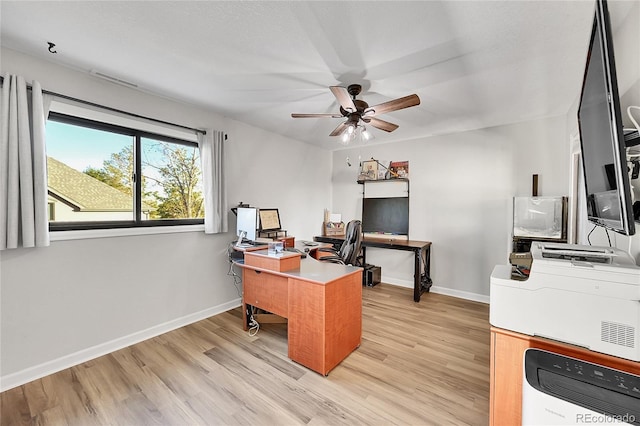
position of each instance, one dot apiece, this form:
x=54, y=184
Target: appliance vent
x=113, y=79
x=618, y=334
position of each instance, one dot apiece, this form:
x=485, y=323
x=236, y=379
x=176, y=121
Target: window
x=102, y=175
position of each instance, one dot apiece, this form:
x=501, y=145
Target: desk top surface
x=384, y=242
x=311, y=270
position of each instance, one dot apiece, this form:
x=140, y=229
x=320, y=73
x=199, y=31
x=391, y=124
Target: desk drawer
x=265, y=291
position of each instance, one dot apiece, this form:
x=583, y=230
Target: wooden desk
x=420, y=249
x=322, y=302
x=507, y=349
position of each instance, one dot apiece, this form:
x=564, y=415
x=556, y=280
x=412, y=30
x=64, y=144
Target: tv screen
x=386, y=215
x=601, y=136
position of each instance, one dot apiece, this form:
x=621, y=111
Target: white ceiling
x=474, y=64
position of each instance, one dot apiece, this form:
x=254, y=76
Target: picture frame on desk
x=269, y=219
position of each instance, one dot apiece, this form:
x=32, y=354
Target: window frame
x=138, y=135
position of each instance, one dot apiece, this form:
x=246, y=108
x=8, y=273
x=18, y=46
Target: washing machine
x=559, y=390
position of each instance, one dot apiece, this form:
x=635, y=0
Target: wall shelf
x=363, y=181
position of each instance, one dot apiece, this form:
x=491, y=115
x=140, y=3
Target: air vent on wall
x=113, y=79
x=618, y=334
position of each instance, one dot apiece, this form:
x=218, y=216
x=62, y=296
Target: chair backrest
x=350, y=248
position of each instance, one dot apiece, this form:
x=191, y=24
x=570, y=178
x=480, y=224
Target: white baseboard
x=441, y=290
x=38, y=371
x=460, y=294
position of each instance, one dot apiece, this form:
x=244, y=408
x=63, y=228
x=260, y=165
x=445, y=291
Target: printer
x=582, y=295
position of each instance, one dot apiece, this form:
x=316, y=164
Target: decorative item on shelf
x=369, y=170
x=383, y=169
x=378, y=169
x=399, y=169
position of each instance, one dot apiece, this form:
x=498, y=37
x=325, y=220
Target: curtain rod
x=193, y=129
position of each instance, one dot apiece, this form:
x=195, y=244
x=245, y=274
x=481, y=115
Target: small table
x=420, y=249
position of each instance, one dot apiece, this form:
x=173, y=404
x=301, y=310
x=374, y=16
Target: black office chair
x=349, y=253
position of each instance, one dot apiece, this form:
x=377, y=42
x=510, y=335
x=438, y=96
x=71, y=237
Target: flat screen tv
x=386, y=215
x=601, y=135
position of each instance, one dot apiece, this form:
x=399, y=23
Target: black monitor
x=601, y=134
x=386, y=215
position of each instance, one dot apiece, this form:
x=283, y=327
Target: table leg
x=426, y=281
x=245, y=317
x=416, y=276
x=420, y=285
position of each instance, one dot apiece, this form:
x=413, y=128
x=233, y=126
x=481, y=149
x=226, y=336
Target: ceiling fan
x=355, y=110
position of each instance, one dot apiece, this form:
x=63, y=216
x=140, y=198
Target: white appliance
x=583, y=295
x=559, y=390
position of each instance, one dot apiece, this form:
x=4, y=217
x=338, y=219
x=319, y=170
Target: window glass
x=92, y=170
x=89, y=174
x=171, y=181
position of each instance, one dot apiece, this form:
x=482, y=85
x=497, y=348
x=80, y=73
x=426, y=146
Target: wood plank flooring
x=421, y=363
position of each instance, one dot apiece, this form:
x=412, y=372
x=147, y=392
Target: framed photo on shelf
x=369, y=170
x=399, y=169
x=383, y=169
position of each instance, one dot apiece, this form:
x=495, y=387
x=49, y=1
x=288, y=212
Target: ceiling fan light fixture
x=355, y=133
x=351, y=129
x=357, y=110
x=345, y=139
x=366, y=135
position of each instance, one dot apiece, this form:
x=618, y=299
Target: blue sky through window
x=81, y=147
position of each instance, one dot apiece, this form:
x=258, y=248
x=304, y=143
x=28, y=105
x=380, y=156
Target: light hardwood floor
x=419, y=364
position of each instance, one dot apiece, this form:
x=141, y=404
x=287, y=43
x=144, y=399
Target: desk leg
x=417, y=290
x=245, y=317
x=421, y=284
x=427, y=262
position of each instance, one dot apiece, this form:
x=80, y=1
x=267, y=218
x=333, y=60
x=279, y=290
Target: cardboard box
x=333, y=229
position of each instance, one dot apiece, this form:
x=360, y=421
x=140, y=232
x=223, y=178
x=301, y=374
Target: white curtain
x=23, y=165
x=215, y=193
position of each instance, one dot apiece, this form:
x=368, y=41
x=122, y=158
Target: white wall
x=461, y=197
x=77, y=299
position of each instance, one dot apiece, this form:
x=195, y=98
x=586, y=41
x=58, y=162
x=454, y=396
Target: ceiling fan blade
x=382, y=125
x=334, y=115
x=394, y=105
x=342, y=95
x=338, y=130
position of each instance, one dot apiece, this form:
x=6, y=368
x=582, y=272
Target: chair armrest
x=332, y=259
x=328, y=250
